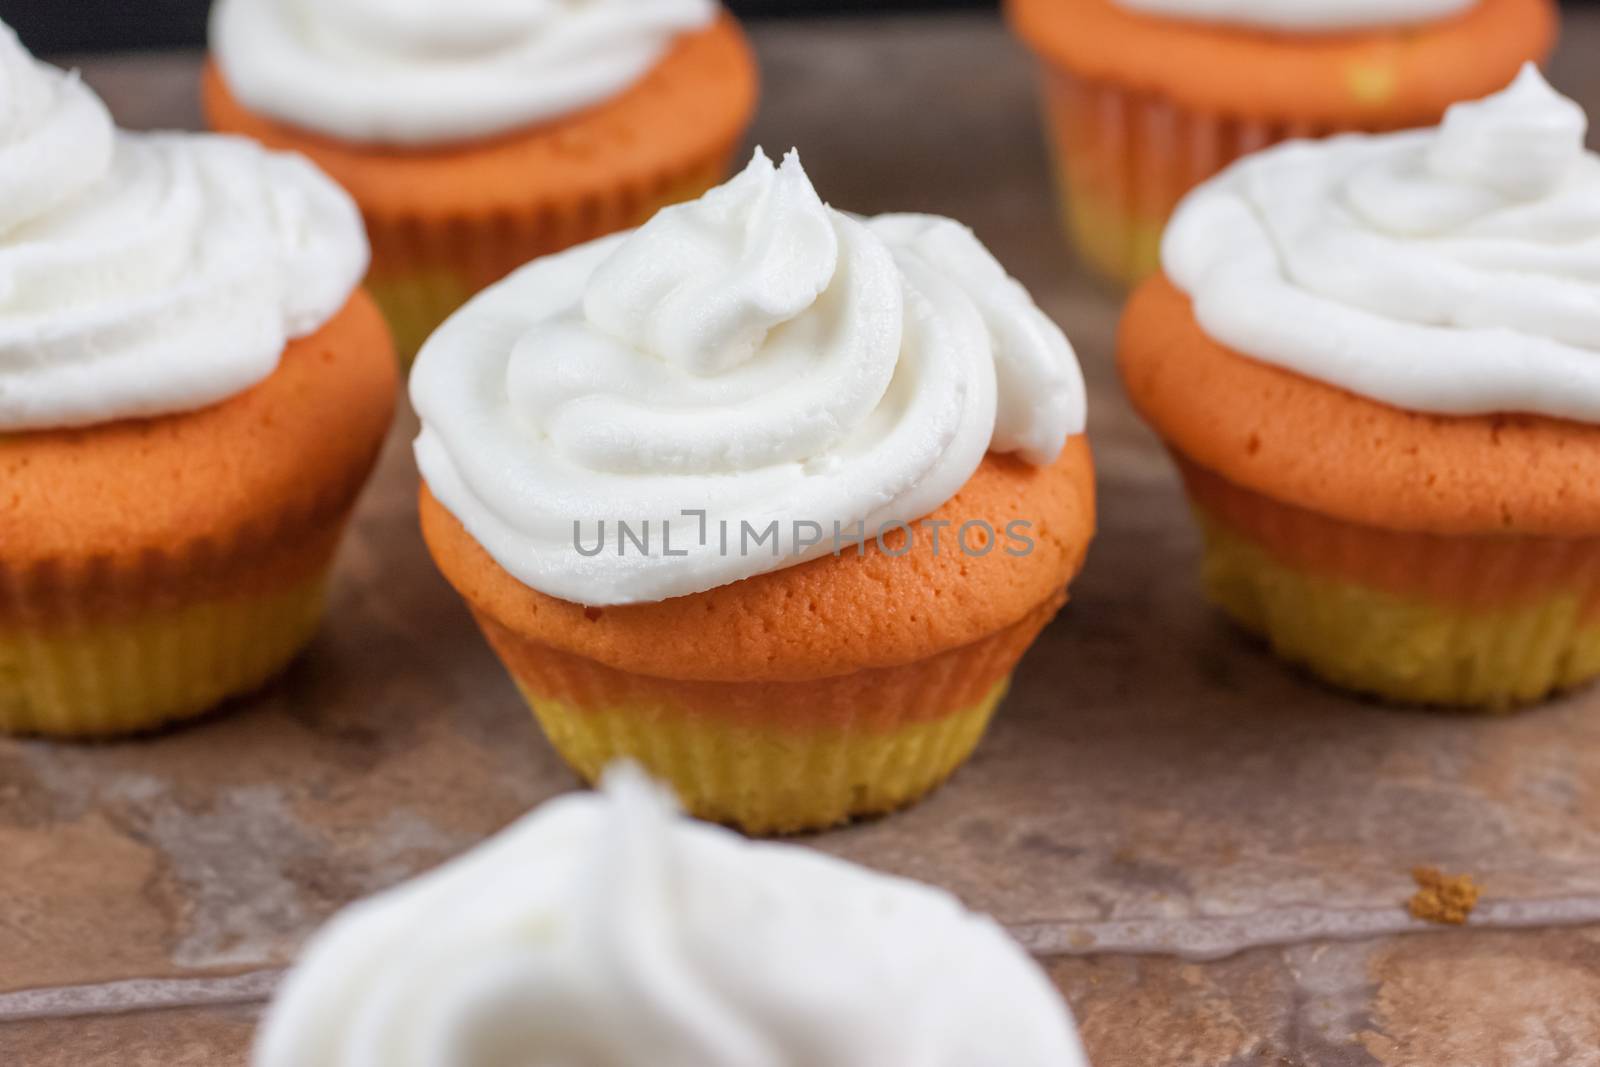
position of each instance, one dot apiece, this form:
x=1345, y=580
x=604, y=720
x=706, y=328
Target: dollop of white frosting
x=606, y=931
x=1304, y=16
x=143, y=274
x=1454, y=270
x=55, y=135
x=418, y=72
x=755, y=356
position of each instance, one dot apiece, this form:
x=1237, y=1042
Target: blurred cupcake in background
x=192, y=392
x=480, y=134
x=767, y=497
x=1376, y=360
x=607, y=929
x=1144, y=99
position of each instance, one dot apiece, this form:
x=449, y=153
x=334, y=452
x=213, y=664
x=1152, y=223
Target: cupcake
x=192, y=391
x=1377, y=362
x=767, y=497
x=481, y=134
x=606, y=929
x=1147, y=98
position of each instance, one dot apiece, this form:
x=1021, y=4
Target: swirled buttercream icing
x=55, y=135
x=143, y=274
x=417, y=72
x=1453, y=270
x=1304, y=16
x=754, y=357
x=603, y=930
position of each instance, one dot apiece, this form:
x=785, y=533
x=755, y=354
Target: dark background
x=84, y=25
x=93, y=25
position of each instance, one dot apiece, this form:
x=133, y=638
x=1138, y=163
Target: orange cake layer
x=1346, y=457
x=63, y=600
x=875, y=700
x=156, y=512
x=1475, y=573
x=695, y=104
x=831, y=616
x=1378, y=79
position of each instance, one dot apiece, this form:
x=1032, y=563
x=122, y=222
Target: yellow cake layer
x=1122, y=246
x=1400, y=648
x=768, y=781
x=107, y=679
x=417, y=303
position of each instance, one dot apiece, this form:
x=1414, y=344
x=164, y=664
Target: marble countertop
x=1211, y=854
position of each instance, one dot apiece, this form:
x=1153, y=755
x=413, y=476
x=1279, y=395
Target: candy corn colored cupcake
x=1377, y=361
x=765, y=497
x=479, y=135
x=1144, y=99
x=191, y=393
x=608, y=929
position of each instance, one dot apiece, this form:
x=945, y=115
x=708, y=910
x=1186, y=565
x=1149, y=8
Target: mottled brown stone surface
x=1214, y=854
x=189, y=1037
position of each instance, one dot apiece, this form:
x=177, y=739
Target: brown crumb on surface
x=1442, y=898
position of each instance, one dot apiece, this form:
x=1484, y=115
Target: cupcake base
x=799, y=698
x=1397, y=648
x=137, y=674
x=763, y=781
x=1486, y=623
x=774, y=757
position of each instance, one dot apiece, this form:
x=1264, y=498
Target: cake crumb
x=1442, y=898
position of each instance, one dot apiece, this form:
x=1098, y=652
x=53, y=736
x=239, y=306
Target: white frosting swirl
x=417, y=72
x=755, y=355
x=1304, y=15
x=1454, y=270
x=142, y=274
x=55, y=135
x=604, y=931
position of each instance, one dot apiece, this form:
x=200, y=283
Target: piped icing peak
x=420, y=72
x=605, y=929
x=1305, y=16
x=702, y=285
x=1523, y=143
x=754, y=356
x=1453, y=270
x=143, y=274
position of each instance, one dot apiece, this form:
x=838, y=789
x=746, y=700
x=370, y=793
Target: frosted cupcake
x=1377, y=362
x=767, y=497
x=480, y=134
x=1147, y=98
x=192, y=391
x=605, y=929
